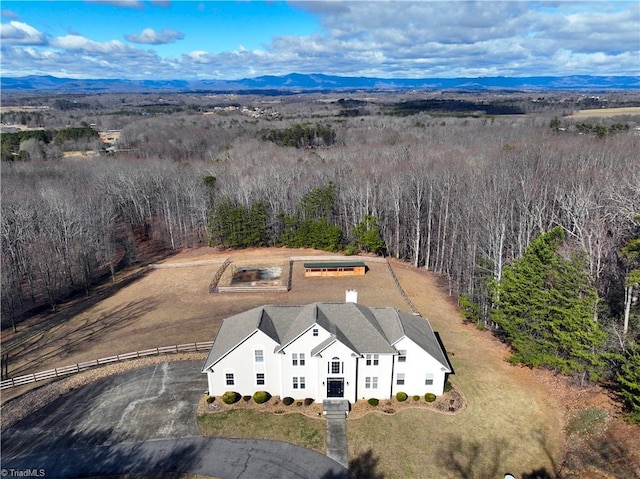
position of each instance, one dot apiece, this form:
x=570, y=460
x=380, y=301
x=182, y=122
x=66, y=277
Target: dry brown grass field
x=513, y=422
x=605, y=112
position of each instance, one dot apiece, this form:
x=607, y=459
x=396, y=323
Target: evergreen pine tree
x=545, y=307
x=629, y=380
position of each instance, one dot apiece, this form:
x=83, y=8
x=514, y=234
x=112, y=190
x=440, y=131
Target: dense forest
x=530, y=217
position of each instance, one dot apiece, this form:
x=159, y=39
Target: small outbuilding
x=335, y=268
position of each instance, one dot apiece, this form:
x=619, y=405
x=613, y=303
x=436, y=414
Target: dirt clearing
x=514, y=419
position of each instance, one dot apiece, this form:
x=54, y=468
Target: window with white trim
x=375, y=359
x=230, y=380
x=301, y=359
x=400, y=379
x=295, y=382
x=428, y=379
x=259, y=355
x=402, y=356
x=315, y=331
x=372, y=359
x=294, y=359
x=367, y=382
x=368, y=358
x=374, y=382
x=303, y=382
x=260, y=379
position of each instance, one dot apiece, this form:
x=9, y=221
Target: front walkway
x=336, y=411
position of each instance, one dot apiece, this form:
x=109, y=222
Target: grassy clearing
x=586, y=421
x=605, y=112
x=293, y=428
x=510, y=424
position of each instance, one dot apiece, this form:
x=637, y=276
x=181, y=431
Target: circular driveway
x=144, y=421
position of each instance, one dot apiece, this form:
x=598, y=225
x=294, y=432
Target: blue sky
x=164, y=39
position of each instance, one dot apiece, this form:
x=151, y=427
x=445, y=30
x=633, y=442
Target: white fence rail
x=79, y=367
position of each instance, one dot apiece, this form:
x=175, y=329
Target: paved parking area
x=144, y=421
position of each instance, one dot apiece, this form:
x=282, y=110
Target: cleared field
x=605, y=112
x=172, y=305
x=511, y=424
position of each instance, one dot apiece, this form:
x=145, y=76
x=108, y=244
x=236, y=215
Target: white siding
x=383, y=371
x=304, y=344
x=418, y=364
x=348, y=371
x=241, y=361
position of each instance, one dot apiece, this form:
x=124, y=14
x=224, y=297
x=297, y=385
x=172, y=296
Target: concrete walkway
x=335, y=411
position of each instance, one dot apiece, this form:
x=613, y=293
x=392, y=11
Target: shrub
x=401, y=396
x=298, y=403
x=230, y=397
x=350, y=250
x=373, y=401
x=246, y=398
x=288, y=401
x=429, y=397
x=210, y=399
x=416, y=397
x=448, y=386
x=261, y=397
x=308, y=401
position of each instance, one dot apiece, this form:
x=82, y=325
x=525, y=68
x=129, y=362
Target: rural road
x=144, y=421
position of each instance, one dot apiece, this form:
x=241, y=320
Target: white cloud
x=80, y=43
x=18, y=33
x=150, y=37
x=383, y=39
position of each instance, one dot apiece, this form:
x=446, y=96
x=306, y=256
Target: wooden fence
x=80, y=367
x=401, y=290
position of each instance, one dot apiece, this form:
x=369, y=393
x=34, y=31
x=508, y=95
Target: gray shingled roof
x=419, y=331
x=362, y=329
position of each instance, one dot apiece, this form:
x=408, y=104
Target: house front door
x=335, y=388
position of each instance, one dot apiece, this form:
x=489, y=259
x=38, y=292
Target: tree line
x=466, y=198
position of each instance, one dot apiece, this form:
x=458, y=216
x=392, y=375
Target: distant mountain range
x=319, y=82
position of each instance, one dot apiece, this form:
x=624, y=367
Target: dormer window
x=315, y=331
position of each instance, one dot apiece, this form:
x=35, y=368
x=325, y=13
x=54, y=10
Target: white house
x=326, y=350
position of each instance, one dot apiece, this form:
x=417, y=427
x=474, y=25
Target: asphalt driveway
x=144, y=421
